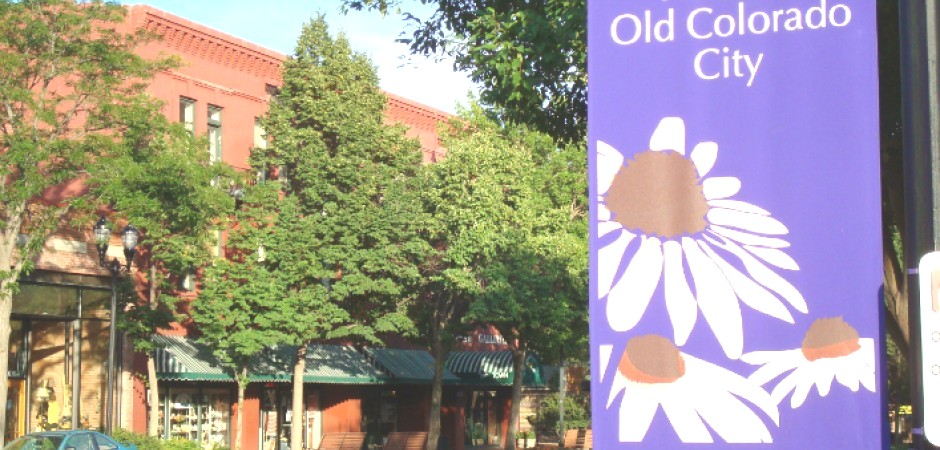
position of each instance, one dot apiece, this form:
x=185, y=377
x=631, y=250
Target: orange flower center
x=830, y=338
x=651, y=359
x=658, y=193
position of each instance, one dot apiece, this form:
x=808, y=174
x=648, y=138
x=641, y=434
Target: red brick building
x=60, y=320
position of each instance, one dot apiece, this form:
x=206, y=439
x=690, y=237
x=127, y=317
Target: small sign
x=929, y=270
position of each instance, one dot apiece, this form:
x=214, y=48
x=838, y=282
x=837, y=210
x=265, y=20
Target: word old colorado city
x=705, y=23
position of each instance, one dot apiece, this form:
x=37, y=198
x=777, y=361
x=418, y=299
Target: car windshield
x=35, y=443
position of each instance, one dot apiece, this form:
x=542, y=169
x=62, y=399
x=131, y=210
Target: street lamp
x=102, y=239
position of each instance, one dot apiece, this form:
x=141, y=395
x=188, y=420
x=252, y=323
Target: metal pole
x=77, y=368
x=920, y=115
x=109, y=403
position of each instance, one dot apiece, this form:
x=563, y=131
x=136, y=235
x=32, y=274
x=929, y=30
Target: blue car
x=67, y=440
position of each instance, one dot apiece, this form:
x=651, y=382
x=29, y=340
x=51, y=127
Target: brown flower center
x=829, y=338
x=651, y=359
x=658, y=193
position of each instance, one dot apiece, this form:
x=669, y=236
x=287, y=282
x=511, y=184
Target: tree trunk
x=242, y=381
x=297, y=400
x=154, y=423
x=434, y=427
x=6, y=307
x=518, y=373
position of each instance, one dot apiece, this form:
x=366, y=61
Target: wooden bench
x=406, y=440
x=574, y=439
x=343, y=441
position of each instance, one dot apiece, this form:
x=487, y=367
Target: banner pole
x=919, y=87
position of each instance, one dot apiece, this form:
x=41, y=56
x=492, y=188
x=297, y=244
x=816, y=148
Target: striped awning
x=182, y=359
x=492, y=367
x=407, y=366
x=333, y=364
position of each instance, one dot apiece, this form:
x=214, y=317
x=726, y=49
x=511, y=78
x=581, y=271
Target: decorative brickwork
x=203, y=43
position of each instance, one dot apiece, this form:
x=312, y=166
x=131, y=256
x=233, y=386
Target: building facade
x=60, y=320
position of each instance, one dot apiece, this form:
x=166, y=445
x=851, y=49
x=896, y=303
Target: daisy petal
x=716, y=299
x=609, y=162
x=704, y=155
x=731, y=419
x=738, y=206
x=763, y=275
x=769, y=356
x=748, y=238
x=746, y=221
x=788, y=384
x=680, y=303
x=720, y=187
x=847, y=377
x=684, y=419
x=750, y=293
x=605, y=228
x=823, y=381
x=630, y=296
x=636, y=414
x=603, y=214
x=716, y=378
x=774, y=256
x=802, y=389
x=605, y=351
x=774, y=369
x=619, y=385
x=669, y=135
x=609, y=258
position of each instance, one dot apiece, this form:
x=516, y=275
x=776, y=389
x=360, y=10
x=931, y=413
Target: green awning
x=335, y=364
x=493, y=368
x=184, y=359
x=179, y=358
x=407, y=366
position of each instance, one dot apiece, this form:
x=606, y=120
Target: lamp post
x=102, y=239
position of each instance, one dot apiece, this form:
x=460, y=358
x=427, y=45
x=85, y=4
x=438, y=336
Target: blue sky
x=276, y=24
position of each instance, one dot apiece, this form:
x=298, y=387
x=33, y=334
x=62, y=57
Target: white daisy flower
x=695, y=396
x=662, y=220
x=831, y=350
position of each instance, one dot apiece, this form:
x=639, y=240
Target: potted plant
x=478, y=433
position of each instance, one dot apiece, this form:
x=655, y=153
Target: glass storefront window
x=96, y=303
x=45, y=300
x=16, y=356
x=483, y=419
x=201, y=415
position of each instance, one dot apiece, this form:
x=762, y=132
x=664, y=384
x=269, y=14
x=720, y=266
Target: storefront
x=486, y=392
x=57, y=353
x=374, y=390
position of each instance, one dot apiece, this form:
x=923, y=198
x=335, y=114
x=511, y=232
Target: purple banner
x=735, y=225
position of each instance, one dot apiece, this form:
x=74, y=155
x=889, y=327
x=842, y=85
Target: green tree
x=344, y=243
x=242, y=301
x=534, y=287
x=465, y=196
x=164, y=185
x=529, y=59
x=501, y=243
x=69, y=84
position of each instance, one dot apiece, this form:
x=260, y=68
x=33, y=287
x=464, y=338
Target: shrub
x=142, y=441
x=576, y=414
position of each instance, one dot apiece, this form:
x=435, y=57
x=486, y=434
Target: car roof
x=59, y=432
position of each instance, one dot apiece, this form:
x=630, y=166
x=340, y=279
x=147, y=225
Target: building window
x=188, y=114
x=261, y=137
x=194, y=414
x=214, y=124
